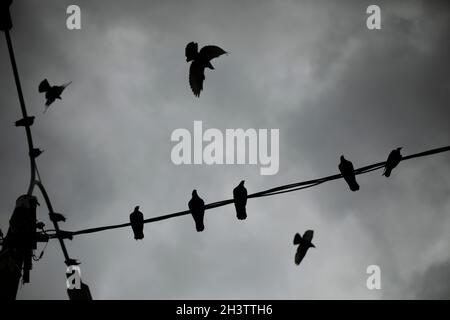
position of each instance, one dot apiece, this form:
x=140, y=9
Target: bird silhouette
x=35, y=152
x=40, y=225
x=347, y=170
x=25, y=122
x=197, y=208
x=72, y=262
x=240, y=200
x=392, y=161
x=57, y=217
x=200, y=61
x=51, y=92
x=304, y=243
x=137, y=223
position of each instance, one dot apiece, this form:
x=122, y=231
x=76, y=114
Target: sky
x=311, y=69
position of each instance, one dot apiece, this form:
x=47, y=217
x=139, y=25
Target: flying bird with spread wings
x=51, y=92
x=348, y=172
x=200, y=60
x=392, y=161
x=304, y=243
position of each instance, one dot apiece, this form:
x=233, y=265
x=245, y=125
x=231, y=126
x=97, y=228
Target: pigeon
x=51, y=92
x=57, y=217
x=197, y=208
x=62, y=234
x=240, y=200
x=40, y=225
x=25, y=122
x=35, y=152
x=72, y=262
x=392, y=161
x=304, y=244
x=200, y=61
x=137, y=223
x=347, y=170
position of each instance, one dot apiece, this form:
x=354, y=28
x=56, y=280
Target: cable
x=269, y=192
x=33, y=166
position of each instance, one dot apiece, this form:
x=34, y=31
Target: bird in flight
x=304, y=243
x=240, y=200
x=392, y=161
x=200, y=61
x=137, y=223
x=51, y=92
x=347, y=171
x=197, y=208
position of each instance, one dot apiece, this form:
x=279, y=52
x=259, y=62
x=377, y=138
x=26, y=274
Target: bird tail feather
x=241, y=212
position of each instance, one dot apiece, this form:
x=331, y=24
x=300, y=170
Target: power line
x=265, y=193
x=33, y=166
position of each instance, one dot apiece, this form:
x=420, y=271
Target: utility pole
x=18, y=245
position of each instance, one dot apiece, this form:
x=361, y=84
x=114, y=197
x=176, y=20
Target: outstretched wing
x=65, y=85
x=297, y=238
x=191, y=51
x=211, y=52
x=196, y=77
x=44, y=86
x=308, y=235
x=300, y=254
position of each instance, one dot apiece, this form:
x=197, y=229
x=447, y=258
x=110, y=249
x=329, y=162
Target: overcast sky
x=308, y=68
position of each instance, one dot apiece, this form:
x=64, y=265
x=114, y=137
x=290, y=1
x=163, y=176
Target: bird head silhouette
x=136, y=208
x=242, y=183
x=399, y=148
x=194, y=193
x=342, y=158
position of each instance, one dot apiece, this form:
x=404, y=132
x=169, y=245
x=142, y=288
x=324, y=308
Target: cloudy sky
x=308, y=68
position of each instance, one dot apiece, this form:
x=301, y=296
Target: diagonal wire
x=33, y=166
x=265, y=193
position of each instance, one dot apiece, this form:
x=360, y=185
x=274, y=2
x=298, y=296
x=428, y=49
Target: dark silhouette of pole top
x=200, y=60
x=348, y=172
x=240, y=200
x=51, y=92
x=304, y=243
x=5, y=16
x=197, y=208
x=137, y=223
x=392, y=161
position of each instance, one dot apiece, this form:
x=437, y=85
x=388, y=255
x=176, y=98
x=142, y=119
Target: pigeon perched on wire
x=57, y=217
x=25, y=122
x=304, y=243
x=51, y=92
x=197, y=208
x=137, y=223
x=347, y=171
x=200, y=60
x=240, y=200
x=392, y=161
